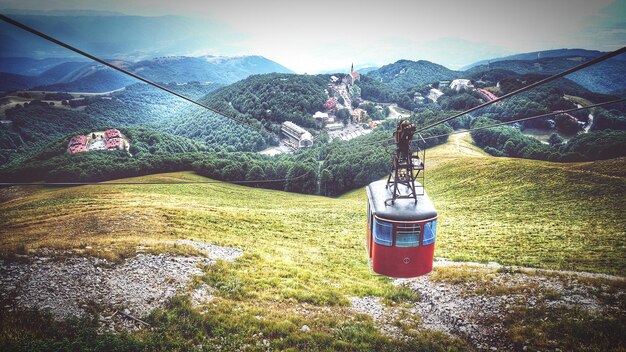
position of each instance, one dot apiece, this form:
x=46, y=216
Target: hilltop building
x=296, y=136
x=112, y=133
x=444, y=84
x=109, y=140
x=349, y=80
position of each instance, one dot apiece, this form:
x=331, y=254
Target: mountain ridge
x=534, y=55
x=404, y=73
x=79, y=76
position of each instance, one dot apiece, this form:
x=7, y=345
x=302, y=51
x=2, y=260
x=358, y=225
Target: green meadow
x=307, y=251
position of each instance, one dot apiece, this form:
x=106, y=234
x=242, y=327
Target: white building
x=434, y=94
x=459, y=84
x=296, y=135
x=334, y=126
x=321, y=116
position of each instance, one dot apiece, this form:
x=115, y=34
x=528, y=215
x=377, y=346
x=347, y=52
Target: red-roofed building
x=77, y=144
x=78, y=148
x=113, y=143
x=112, y=133
x=78, y=140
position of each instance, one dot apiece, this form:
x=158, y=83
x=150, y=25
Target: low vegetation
x=510, y=141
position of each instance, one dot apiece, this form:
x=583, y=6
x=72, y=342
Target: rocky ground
x=470, y=300
x=68, y=287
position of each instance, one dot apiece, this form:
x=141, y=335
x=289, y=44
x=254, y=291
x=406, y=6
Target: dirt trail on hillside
x=464, y=147
x=394, y=113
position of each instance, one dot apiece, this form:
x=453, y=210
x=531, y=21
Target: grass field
x=308, y=250
x=567, y=216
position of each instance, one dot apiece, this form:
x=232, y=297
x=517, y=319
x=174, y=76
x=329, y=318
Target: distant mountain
x=60, y=12
x=366, y=70
x=218, y=69
x=605, y=77
x=30, y=67
x=362, y=68
x=109, y=35
x=80, y=76
x=95, y=79
x=405, y=74
x=68, y=72
x=12, y=81
x=535, y=55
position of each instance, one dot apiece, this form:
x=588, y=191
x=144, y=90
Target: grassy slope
x=514, y=211
x=531, y=213
x=309, y=250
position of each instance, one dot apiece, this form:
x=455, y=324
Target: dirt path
x=394, y=113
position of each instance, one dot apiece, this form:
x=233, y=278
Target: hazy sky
x=308, y=36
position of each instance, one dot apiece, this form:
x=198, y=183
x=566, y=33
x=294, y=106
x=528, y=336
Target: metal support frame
x=405, y=169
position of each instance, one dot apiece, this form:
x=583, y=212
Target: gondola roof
x=402, y=209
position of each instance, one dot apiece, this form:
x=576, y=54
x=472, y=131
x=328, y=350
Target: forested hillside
x=405, y=74
x=540, y=54
x=274, y=97
x=151, y=151
x=327, y=169
x=137, y=104
x=37, y=123
x=605, y=77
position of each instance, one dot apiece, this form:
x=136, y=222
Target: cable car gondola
x=401, y=219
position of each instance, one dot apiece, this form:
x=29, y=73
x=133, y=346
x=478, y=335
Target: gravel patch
x=68, y=287
x=474, y=311
x=382, y=315
x=444, y=308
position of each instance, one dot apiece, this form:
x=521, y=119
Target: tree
x=555, y=140
x=330, y=105
x=255, y=173
x=301, y=179
x=343, y=114
x=566, y=124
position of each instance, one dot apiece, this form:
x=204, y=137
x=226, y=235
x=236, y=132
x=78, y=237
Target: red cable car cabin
x=400, y=236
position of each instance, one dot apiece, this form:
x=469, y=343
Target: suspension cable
x=103, y=62
x=528, y=118
x=530, y=86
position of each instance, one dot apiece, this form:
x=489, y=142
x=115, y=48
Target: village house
x=359, y=115
x=112, y=133
x=78, y=144
x=321, y=116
